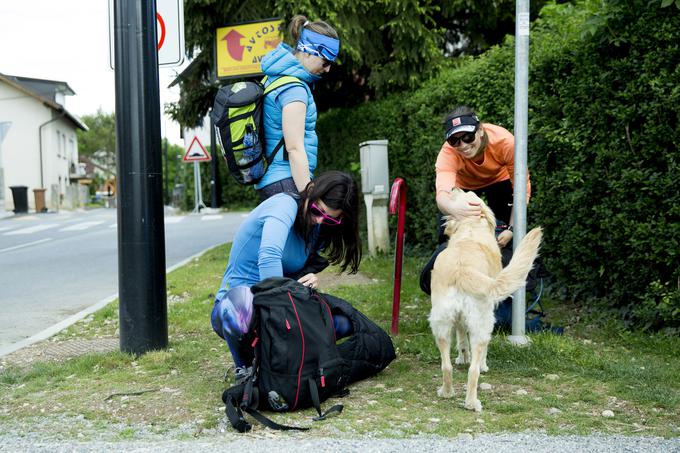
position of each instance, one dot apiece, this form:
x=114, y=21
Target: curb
x=58, y=327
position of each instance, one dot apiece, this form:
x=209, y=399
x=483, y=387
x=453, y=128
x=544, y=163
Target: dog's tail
x=514, y=275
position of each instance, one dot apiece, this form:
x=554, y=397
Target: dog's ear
x=487, y=213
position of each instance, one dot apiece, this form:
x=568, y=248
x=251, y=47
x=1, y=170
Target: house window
x=63, y=144
x=58, y=144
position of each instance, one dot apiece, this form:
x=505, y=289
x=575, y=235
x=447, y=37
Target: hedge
x=603, y=148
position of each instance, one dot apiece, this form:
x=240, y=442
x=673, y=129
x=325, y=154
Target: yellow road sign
x=240, y=48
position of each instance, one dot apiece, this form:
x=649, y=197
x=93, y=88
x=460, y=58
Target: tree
x=98, y=143
x=387, y=45
x=98, y=146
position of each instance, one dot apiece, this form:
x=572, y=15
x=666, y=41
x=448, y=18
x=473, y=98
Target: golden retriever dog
x=468, y=282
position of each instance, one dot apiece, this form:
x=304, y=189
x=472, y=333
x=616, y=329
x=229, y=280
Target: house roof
x=45, y=91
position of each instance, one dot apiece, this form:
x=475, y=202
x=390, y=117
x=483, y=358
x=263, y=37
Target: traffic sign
x=169, y=33
x=196, y=152
x=239, y=48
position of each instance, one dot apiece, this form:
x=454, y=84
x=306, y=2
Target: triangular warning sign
x=196, y=152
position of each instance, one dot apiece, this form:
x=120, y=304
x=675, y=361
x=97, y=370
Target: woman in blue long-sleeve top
x=276, y=240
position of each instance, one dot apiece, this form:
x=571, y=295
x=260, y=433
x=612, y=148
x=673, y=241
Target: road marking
x=45, y=334
x=114, y=225
x=33, y=229
x=211, y=217
x=173, y=219
x=5, y=228
x=82, y=226
x=28, y=244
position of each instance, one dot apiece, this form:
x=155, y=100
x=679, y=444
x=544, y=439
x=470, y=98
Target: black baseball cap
x=460, y=123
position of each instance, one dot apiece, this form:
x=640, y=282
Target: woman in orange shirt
x=479, y=157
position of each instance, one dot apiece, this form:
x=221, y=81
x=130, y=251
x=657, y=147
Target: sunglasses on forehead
x=467, y=137
x=325, y=218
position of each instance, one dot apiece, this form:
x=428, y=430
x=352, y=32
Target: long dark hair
x=337, y=190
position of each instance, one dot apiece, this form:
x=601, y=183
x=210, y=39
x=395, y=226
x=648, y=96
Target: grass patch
x=558, y=385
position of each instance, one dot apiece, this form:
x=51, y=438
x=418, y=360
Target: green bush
x=603, y=138
x=604, y=154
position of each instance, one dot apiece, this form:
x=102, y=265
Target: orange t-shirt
x=453, y=170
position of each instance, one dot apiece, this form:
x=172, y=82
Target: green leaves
x=387, y=45
x=604, y=134
x=667, y=3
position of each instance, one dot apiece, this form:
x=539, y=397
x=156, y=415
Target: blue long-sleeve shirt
x=266, y=245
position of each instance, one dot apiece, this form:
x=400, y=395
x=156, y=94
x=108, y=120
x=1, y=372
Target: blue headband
x=318, y=45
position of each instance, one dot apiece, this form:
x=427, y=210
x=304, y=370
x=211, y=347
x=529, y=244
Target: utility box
x=375, y=174
x=375, y=186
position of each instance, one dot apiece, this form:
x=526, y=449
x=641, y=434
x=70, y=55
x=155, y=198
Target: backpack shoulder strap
x=279, y=82
x=232, y=399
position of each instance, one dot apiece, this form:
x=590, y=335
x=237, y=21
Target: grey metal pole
x=215, y=183
x=141, y=235
x=518, y=336
x=198, y=191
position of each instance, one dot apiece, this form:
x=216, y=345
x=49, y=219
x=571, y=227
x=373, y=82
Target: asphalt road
x=54, y=266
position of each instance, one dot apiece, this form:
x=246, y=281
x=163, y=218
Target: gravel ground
x=498, y=443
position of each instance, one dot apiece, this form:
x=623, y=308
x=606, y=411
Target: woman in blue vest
x=289, y=111
x=277, y=239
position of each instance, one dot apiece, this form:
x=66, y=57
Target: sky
x=68, y=41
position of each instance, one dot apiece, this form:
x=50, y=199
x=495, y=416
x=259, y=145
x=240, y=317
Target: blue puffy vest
x=281, y=62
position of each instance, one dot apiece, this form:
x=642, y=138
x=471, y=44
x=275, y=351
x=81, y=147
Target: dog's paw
x=474, y=405
x=461, y=360
x=483, y=368
x=444, y=393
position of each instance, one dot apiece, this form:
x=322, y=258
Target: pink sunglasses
x=326, y=219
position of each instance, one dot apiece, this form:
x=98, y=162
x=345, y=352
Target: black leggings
x=498, y=198
x=284, y=185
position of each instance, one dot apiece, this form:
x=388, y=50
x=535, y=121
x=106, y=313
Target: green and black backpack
x=237, y=116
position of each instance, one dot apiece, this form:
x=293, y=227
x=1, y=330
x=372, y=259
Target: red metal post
x=398, y=196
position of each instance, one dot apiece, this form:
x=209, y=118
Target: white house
x=38, y=142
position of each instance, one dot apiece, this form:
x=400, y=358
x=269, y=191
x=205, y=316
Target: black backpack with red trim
x=296, y=363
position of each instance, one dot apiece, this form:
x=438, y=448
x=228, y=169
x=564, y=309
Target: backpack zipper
x=302, y=359
x=330, y=313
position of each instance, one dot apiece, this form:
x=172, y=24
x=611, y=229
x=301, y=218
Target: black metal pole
x=167, y=187
x=215, y=185
x=141, y=237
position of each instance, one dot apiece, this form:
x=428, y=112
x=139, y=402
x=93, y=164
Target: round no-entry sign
x=161, y=30
x=169, y=32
